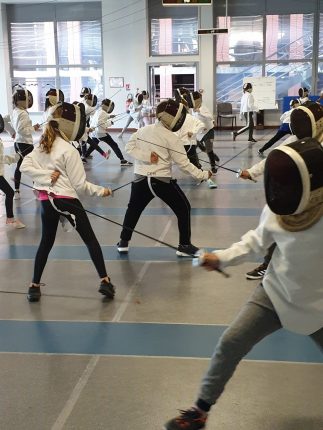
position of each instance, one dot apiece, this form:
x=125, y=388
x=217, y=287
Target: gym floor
x=75, y=361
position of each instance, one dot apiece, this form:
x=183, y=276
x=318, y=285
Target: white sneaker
x=211, y=184
x=17, y=195
x=16, y=224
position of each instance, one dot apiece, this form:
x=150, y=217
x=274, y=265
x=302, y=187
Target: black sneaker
x=107, y=289
x=234, y=135
x=33, y=294
x=123, y=246
x=125, y=163
x=257, y=273
x=187, y=250
x=192, y=419
x=252, y=140
x=214, y=170
x=216, y=157
x=261, y=154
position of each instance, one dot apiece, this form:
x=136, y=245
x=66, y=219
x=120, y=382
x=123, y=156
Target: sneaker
x=17, y=195
x=257, y=273
x=214, y=171
x=211, y=184
x=125, y=163
x=252, y=140
x=234, y=135
x=187, y=250
x=261, y=154
x=34, y=293
x=216, y=157
x=192, y=419
x=123, y=246
x=107, y=154
x=107, y=289
x=84, y=160
x=16, y=224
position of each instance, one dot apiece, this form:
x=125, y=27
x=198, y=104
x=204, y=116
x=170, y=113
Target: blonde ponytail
x=48, y=137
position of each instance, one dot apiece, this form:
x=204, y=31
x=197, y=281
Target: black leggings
x=249, y=125
x=94, y=144
x=50, y=219
x=192, y=155
x=22, y=149
x=170, y=193
x=6, y=188
x=114, y=146
x=280, y=134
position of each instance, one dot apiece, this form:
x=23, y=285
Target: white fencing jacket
x=100, y=121
x=247, y=103
x=66, y=159
x=22, y=125
x=6, y=159
x=293, y=279
x=169, y=148
x=191, y=125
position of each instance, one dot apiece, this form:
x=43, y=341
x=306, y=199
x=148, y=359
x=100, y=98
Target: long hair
x=50, y=133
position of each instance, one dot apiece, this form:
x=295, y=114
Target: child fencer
x=283, y=130
x=247, y=108
x=100, y=123
x=202, y=113
x=187, y=134
x=303, y=95
x=291, y=293
x=22, y=125
x=155, y=148
x=59, y=177
x=4, y=185
x=135, y=114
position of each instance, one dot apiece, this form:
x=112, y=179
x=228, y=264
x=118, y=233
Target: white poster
x=264, y=91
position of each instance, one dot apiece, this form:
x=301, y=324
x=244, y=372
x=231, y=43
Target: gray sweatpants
x=256, y=320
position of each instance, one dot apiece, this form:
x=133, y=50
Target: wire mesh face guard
x=84, y=91
x=195, y=100
x=1, y=124
x=171, y=114
x=91, y=100
x=108, y=105
x=71, y=122
x=303, y=92
x=307, y=120
x=292, y=173
x=23, y=98
x=54, y=96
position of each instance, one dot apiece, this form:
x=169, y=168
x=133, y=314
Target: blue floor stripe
x=175, y=340
x=159, y=211
x=80, y=252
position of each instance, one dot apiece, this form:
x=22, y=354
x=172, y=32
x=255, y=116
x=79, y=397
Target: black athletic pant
x=280, y=133
x=192, y=155
x=22, y=149
x=114, y=146
x=206, y=145
x=94, y=145
x=6, y=188
x=50, y=219
x=170, y=193
x=249, y=125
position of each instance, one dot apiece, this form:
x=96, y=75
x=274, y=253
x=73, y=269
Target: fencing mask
x=53, y=96
x=307, y=120
x=294, y=183
x=22, y=98
x=70, y=119
x=85, y=91
x=171, y=114
x=1, y=124
x=107, y=105
x=182, y=95
x=91, y=100
x=195, y=100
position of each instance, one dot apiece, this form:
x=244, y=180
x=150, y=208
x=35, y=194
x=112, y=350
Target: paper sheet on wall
x=264, y=91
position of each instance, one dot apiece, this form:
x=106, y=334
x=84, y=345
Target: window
x=289, y=37
x=244, y=42
x=171, y=36
x=63, y=54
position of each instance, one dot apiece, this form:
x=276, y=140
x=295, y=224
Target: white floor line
x=122, y=309
x=71, y=402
